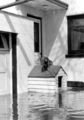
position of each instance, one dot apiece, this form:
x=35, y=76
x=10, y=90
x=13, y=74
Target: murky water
x=68, y=105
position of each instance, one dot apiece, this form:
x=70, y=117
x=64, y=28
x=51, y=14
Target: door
x=5, y=63
x=60, y=81
x=37, y=40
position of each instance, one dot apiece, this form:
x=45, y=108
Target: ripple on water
x=67, y=105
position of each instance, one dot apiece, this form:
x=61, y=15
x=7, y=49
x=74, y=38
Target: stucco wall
x=56, y=40
x=25, y=48
x=25, y=42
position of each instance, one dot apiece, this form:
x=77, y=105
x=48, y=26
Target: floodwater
x=68, y=105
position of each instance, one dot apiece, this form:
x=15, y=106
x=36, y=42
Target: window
x=4, y=41
x=36, y=37
x=75, y=36
x=37, y=33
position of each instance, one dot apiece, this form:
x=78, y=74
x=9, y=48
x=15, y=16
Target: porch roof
x=40, y=4
x=50, y=73
x=46, y=4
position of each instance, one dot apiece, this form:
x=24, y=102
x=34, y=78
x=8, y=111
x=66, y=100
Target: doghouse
x=47, y=81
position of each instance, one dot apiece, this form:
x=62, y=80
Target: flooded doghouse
x=47, y=81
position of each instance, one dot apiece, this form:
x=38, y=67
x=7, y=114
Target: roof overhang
x=40, y=4
x=47, y=4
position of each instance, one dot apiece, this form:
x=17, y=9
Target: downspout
x=13, y=4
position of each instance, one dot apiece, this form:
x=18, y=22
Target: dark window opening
x=82, y=45
x=37, y=33
x=36, y=37
x=4, y=41
x=76, y=36
x=1, y=42
x=60, y=81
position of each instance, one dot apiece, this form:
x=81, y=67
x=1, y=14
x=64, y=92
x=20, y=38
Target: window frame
x=73, y=53
x=38, y=20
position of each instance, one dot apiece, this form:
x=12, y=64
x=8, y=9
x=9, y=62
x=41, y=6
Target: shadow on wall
x=24, y=10
x=18, y=41
x=56, y=37
x=56, y=41
x=24, y=52
x=74, y=67
x=53, y=22
x=59, y=49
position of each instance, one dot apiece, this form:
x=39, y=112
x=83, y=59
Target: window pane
x=7, y=39
x=76, y=35
x=36, y=37
x=75, y=39
x=4, y=41
x=1, y=42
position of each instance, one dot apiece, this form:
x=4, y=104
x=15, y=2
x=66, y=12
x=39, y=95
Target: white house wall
x=25, y=41
x=5, y=73
x=25, y=51
x=56, y=40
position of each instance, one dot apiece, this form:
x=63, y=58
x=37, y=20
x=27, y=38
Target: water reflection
x=15, y=108
x=60, y=100
x=45, y=116
x=67, y=105
x=5, y=108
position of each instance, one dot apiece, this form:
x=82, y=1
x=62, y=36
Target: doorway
x=59, y=81
x=37, y=25
x=8, y=62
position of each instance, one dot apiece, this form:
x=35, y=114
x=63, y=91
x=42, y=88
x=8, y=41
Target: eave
x=41, y=4
x=59, y=3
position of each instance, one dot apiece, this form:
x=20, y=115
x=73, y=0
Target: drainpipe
x=13, y=4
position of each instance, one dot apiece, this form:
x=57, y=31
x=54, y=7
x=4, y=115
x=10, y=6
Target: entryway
x=59, y=81
x=8, y=69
